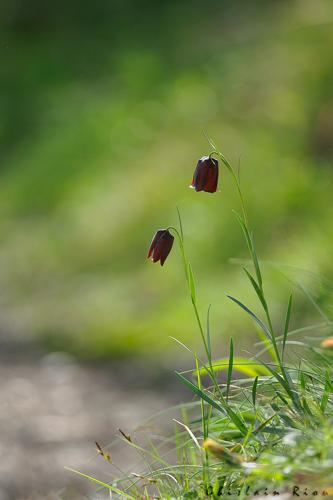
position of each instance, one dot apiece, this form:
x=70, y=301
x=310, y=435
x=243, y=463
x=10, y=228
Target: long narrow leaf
x=263, y=425
x=326, y=392
x=281, y=396
x=194, y=439
x=236, y=420
x=254, y=390
x=250, y=243
x=245, y=231
x=268, y=346
x=257, y=289
x=256, y=260
x=208, y=332
x=231, y=362
x=223, y=409
x=286, y=324
x=180, y=225
x=290, y=390
x=253, y=316
x=201, y=394
x=203, y=420
x=192, y=283
x=108, y=486
x=246, y=366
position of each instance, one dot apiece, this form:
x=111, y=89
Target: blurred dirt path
x=53, y=409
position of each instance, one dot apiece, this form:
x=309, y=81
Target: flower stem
x=186, y=263
x=189, y=277
x=250, y=243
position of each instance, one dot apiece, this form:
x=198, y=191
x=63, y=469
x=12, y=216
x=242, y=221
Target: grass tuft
x=260, y=434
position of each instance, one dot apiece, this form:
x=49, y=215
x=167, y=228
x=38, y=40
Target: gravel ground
x=53, y=409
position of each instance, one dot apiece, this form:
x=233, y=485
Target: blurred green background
x=104, y=110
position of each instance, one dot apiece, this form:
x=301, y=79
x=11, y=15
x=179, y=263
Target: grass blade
x=287, y=385
x=201, y=394
x=108, y=486
x=180, y=224
x=263, y=425
x=286, y=324
x=248, y=367
x=251, y=246
x=257, y=289
x=226, y=409
x=192, y=283
x=194, y=439
x=256, y=261
x=253, y=316
x=209, y=347
x=231, y=362
x=254, y=390
x=326, y=393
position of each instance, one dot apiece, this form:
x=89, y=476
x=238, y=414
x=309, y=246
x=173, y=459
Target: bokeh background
x=105, y=108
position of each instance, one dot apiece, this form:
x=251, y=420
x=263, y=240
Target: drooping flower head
x=206, y=175
x=160, y=246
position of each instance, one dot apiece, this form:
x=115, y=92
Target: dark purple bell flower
x=160, y=246
x=206, y=175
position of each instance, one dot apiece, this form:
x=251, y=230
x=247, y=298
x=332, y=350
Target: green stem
x=186, y=264
x=252, y=253
x=236, y=181
x=195, y=308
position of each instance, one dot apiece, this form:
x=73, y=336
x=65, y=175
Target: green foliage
x=281, y=449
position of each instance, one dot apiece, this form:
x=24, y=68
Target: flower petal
x=155, y=239
x=166, y=246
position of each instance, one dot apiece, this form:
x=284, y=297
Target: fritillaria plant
x=205, y=178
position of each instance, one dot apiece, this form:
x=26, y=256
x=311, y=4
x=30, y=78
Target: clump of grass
x=270, y=432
